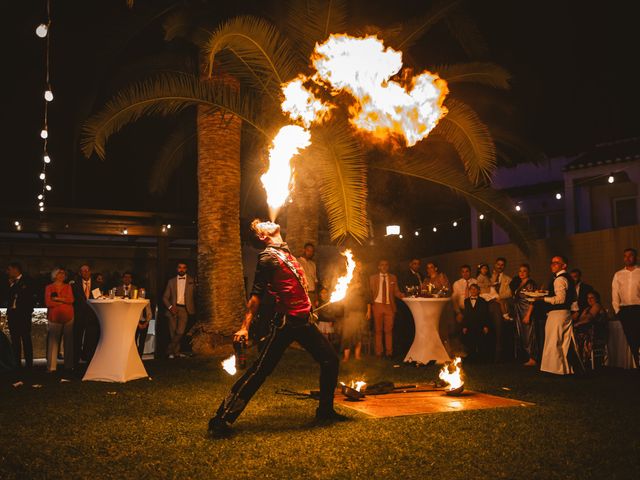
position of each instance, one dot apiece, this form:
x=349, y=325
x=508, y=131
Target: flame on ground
x=229, y=365
x=452, y=374
x=340, y=291
x=277, y=180
x=356, y=385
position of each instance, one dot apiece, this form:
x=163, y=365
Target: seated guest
x=584, y=328
x=126, y=287
x=58, y=297
x=582, y=290
x=327, y=316
x=476, y=321
x=460, y=290
x=437, y=279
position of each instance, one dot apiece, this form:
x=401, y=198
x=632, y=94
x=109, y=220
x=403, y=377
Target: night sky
x=574, y=85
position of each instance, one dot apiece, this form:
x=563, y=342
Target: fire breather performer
x=279, y=273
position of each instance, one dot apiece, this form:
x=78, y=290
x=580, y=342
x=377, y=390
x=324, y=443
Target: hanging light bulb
x=48, y=188
x=169, y=226
x=46, y=158
x=44, y=133
x=416, y=233
x=42, y=176
x=42, y=30
x=125, y=231
x=518, y=208
x=164, y=229
x=40, y=197
x=455, y=224
x=481, y=217
x=435, y=229
x=41, y=204
x=400, y=236
x=611, y=179
x=42, y=209
x=48, y=95
x=16, y=223
x=558, y=196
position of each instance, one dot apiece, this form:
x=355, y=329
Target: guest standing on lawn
x=58, y=297
x=86, y=328
x=625, y=298
x=19, y=314
x=525, y=339
x=180, y=299
x=280, y=273
x=357, y=315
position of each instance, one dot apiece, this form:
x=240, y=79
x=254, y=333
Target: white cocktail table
x=116, y=358
x=427, y=345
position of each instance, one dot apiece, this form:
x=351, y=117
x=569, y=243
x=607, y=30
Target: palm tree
x=255, y=53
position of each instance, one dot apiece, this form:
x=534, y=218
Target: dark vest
x=571, y=294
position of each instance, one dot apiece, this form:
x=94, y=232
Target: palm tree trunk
x=303, y=213
x=221, y=295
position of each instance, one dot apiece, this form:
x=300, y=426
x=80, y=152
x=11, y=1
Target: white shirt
x=379, y=297
x=560, y=287
x=625, y=288
x=182, y=285
x=310, y=272
x=460, y=290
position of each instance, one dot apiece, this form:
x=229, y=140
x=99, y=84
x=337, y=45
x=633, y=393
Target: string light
x=558, y=196
x=416, y=233
x=44, y=31
x=481, y=216
x=455, y=224
x=518, y=208
x=435, y=229
x=611, y=179
x=125, y=231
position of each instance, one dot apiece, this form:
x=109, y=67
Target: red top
x=58, y=312
x=291, y=297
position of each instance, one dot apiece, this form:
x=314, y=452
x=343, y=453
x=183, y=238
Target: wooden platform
x=420, y=403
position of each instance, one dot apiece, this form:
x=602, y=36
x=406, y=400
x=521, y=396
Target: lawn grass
x=587, y=428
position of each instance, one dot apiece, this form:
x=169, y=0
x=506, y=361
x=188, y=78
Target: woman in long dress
x=525, y=341
x=357, y=312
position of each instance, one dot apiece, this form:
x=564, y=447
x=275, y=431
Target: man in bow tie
x=476, y=325
x=179, y=298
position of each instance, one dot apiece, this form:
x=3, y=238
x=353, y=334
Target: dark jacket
x=585, y=289
x=410, y=279
x=21, y=296
x=476, y=318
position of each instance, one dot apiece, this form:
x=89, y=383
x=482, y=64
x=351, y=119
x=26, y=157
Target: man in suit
x=19, y=313
x=179, y=298
x=582, y=290
x=476, y=325
x=412, y=276
x=384, y=290
x=86, y=329
x=125, y=289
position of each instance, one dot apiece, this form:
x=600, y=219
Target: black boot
x=219, y=428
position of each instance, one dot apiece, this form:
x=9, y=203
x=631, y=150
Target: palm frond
x=259, y=47
x=311, y=21
x=179, y=145
x=481, y=73
x=413, y=30
x=343, y=180
x=483, y=198
x=471, y=139
x=162, y=95
x=465, y=30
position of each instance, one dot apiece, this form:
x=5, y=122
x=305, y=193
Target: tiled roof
x=607, y=153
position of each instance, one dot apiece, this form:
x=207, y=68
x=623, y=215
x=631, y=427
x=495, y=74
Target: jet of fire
x=452, y=374
x=340, y=291
x=289, y=141
x=229, y=365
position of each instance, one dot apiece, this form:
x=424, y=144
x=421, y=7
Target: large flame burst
x=361, y=67
x=340, y=291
